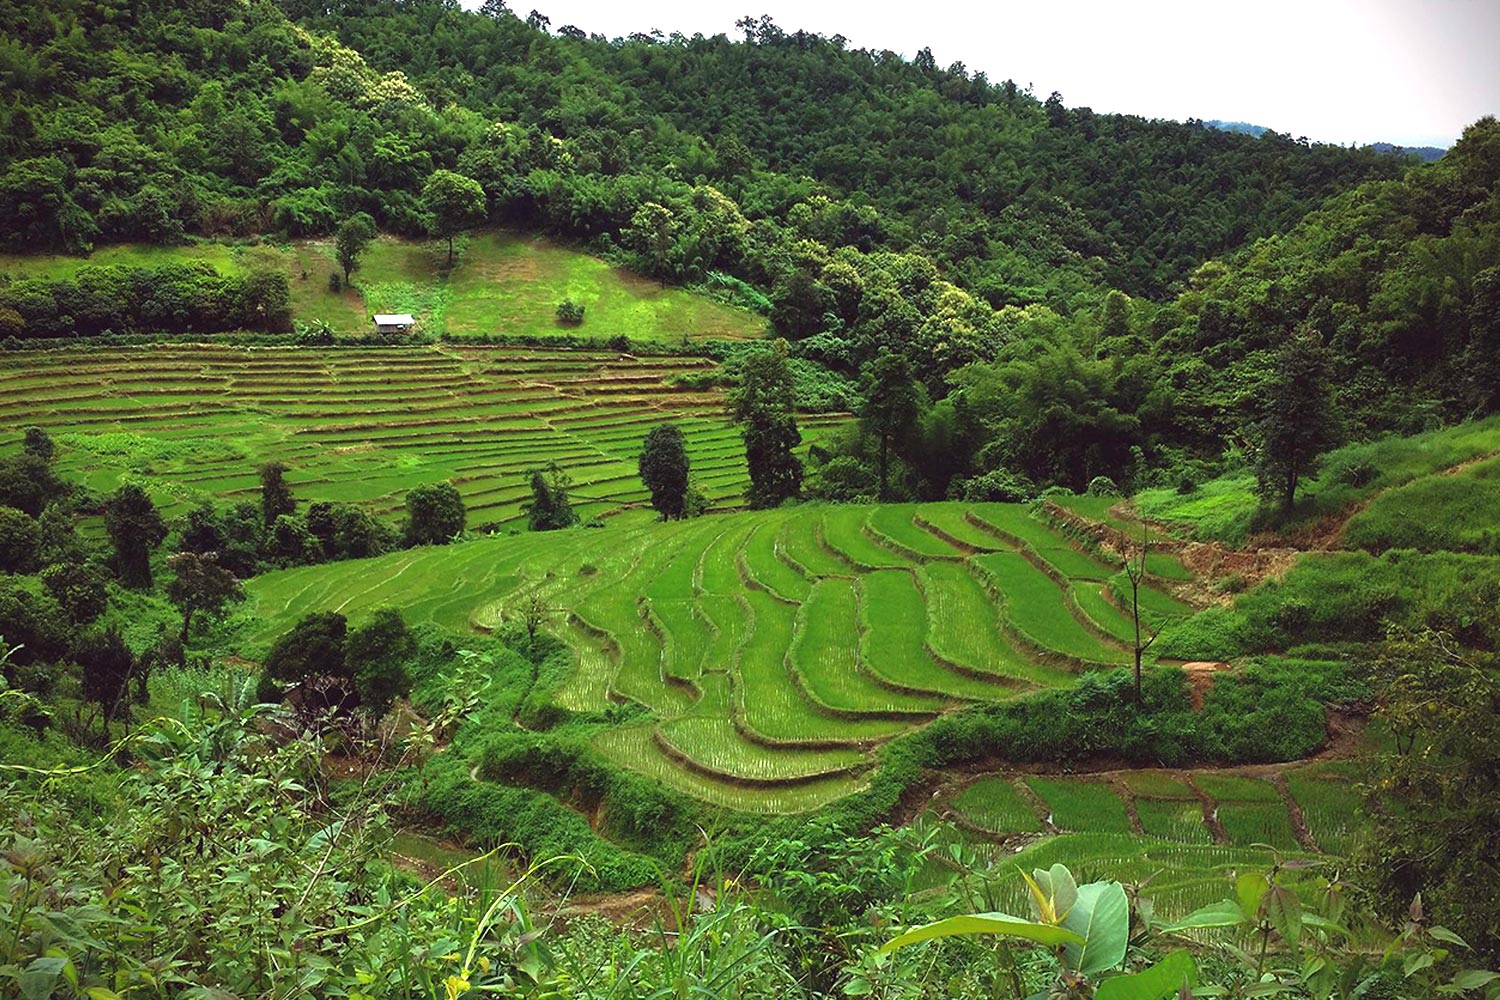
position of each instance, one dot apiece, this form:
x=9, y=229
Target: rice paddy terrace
x=772, y=650
x=1186, y=831
x=365, y=425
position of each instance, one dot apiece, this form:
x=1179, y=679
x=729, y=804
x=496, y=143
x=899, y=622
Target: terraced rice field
x=365, y=425
x=1240, y=810
x=772, y=651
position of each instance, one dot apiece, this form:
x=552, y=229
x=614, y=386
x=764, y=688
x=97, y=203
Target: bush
x=997, y=485
x=435, y=514
x=1103, y=486
x=335, y=282
x=569, y=313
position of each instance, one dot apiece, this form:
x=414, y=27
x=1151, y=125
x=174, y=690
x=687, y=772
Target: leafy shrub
x=335, y=282
x=997, y=485
x=569, y=313
x=1102, y=486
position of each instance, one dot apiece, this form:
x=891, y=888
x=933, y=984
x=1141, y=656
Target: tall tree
x=454, y=203
x=351, y=240
x=275, y=495
x=650, y=233
x=664, y=466
x=107, y=664
x=19, y=540
x=764, y=404
x=1297, y=423
x=892, y=405
x=200, y=584
x=434, y=514
x=134, y=527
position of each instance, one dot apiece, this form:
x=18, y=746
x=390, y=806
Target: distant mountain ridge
x=1425, y=153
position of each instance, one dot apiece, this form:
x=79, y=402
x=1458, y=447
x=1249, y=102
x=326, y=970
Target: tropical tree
x=275, y=494
x=107, y=664
x=376, y=654
x=134, y=527
x=1296, y=422
x=550, y=507
x=664, y=467
x=351, y=240
x=200, y=584
x=764, y=405
x=453, y=203
x=650, y=233
x=435, y=514
x=19, y=540
x=892, y=405
x=312, y=649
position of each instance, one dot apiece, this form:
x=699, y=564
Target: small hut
x=394, y=322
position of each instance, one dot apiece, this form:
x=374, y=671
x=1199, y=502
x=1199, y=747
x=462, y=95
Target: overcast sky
x=1413, y=72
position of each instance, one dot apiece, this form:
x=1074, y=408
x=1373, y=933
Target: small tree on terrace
x=351, y=240
x=275, y=495
x=664, y=467
x=200, y=584
x=1135, y=572
x=313, y=649
x=764, y=404
x=892, y=404
x=134, y=527
x=455, y=203
x=377, y=654
x=434, y=514
x=550, y=507
x=1297, y=423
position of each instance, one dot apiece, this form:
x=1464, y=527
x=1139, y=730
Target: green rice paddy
x=194, y=422
x=771, y=652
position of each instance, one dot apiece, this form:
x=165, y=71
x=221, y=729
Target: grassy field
x=771, y=651
x=365, y=425
x=502, y=283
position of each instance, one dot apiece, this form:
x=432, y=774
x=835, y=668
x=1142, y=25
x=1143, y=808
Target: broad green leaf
x=1224, y=913
x=1473, y=979
x=37, y=979
x=1059, y=886
x=1250, y=889
x=986, y=923
x=1323, y=923
x=1163, y=979
x=1284, y=911
x=1101, y=918
x=1444, y=934
x=100, y=993
x=1415, y=963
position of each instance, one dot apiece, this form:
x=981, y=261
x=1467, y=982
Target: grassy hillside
x=364, y=426
x=503, y=283
x=1224, y=509
x=770, y=650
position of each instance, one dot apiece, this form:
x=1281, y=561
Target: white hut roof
x=394, y=319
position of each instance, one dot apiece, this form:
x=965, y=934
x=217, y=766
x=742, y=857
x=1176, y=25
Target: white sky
x=1413, y=72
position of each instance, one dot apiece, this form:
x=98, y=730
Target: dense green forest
x=998, y=242
x=1084, y=589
